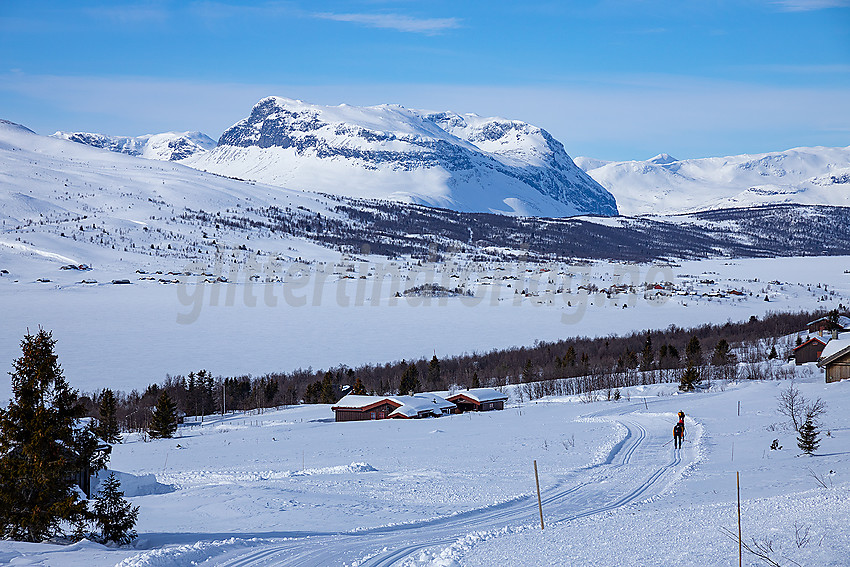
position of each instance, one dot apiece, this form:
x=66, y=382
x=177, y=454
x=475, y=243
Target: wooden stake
x=644, y=404
x=739, y=409
x=740, y=544
x=539, y=501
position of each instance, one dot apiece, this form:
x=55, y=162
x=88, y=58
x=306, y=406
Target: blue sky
x=612, y=79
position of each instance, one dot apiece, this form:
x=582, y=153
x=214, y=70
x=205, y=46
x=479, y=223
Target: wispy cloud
x=398, y=22
x=810, y=5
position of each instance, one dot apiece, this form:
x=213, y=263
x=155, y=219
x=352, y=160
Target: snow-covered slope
x=465, y=163
x=664, y=184
x=77, y=204
x=168, y=146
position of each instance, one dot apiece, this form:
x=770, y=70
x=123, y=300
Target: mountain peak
x=441, y=159
x=662, y=159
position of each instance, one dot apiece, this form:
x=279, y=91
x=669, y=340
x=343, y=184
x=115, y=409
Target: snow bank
x=133, y=485
x=188, y=555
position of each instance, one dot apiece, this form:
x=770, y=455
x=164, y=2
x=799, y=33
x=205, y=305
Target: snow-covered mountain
x=168, y=146
x=666, y=185
x=464, y=163
x=70, y=203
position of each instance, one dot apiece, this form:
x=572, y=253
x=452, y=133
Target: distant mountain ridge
x=168, y=146
x=464, y=163
x=666, y=185
x=64, y=203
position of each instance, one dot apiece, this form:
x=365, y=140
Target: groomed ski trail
x=638, y=467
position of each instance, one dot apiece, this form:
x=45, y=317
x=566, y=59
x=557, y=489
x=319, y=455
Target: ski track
x=596, y=493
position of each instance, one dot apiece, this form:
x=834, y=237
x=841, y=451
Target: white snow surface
x=665, y=185
x=292, y=487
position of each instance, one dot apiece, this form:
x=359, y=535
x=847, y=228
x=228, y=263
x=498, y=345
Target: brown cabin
x=355, y=407
x=810, y=350
x=363, y=408
x=478, y=399
x=824, y=325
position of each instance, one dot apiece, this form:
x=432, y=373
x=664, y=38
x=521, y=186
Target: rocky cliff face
x=465, y=163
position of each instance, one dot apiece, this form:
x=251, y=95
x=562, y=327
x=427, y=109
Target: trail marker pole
x=740, y=551
x=739, y=409
x=645, y=404
x=539, y=501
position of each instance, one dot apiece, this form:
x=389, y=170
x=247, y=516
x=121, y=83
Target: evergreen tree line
x=570, y=366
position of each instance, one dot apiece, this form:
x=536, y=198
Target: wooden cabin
x=824, y=325
x=365, y=408
x=478, y=399
x=810, y=350
x=835, y=360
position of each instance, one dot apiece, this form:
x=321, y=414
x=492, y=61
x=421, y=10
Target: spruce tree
x=693, y=352
x=528, y=372
x=773, y=354
x=648, y=354
x=409, y=380
x=434, y=373
x=722, y=353
x=570, y=357
x=476, y=383
x=38, y=456
x=690, y=378
x=808, y=440
x=359, y=388
x=114, y=516
x=327, y=389
x=164, y=419
x=107, y=428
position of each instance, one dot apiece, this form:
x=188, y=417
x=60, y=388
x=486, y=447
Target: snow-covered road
x=637, y=467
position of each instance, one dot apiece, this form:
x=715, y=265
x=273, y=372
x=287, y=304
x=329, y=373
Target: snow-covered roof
x=835, y=348
x=409, y=406
x=355, y=401
x=821, y=340
x=843, y=321
x=440, y=401
x=412, y=406
x=482, y=395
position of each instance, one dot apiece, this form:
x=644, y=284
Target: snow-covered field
x=291, y=487
x=129, y=336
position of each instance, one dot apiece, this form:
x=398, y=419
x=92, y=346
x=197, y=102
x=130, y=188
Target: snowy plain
x=129, y=336
x=292, y=487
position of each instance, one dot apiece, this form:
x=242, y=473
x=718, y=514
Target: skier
x=679, y=431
